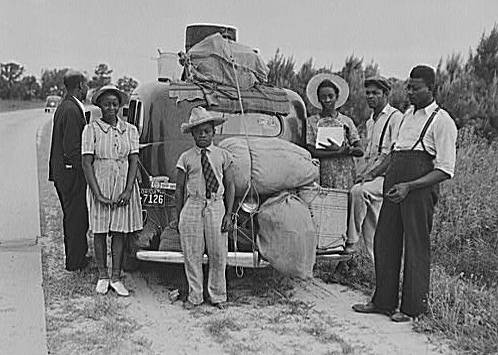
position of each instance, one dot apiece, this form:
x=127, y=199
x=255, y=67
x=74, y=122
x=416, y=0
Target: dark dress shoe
x=400, y=317
x=84, y=263
x=370, y=307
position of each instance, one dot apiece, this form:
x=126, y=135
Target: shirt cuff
x=445, y=169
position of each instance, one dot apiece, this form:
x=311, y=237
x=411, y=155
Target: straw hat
x=122, y=97
x=200, y=115
x=339, y=82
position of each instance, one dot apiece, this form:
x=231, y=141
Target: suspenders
x=381, y=141
x=424, y=130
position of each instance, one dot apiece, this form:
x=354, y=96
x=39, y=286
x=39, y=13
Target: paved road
x=19, y=205
x=22, y=310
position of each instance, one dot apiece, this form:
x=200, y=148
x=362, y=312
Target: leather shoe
x=400, y=317
x=84, y=263
x=187, y=305
x=370, y=307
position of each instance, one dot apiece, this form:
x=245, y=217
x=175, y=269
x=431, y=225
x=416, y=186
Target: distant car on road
x=52, y=102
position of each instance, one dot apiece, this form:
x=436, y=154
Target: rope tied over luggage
x=250, y=192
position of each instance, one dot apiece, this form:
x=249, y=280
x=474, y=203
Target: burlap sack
x=273, y=163
x=287, y=236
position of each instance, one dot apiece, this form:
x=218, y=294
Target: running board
x=242, y=259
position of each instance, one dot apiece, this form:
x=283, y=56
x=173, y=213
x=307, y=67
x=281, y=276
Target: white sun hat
x=122, y=97
x=339, y=82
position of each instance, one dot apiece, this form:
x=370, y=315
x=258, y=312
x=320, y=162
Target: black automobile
x=52, y=102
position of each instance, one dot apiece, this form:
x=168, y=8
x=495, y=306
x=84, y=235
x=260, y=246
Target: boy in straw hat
x=205, y=193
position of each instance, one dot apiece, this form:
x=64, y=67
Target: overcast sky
x=126, y=34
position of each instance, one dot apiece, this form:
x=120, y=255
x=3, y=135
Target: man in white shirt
x=423, y=156
x=366, y=194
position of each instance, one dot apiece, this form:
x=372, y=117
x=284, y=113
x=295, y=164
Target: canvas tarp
x=214, y=58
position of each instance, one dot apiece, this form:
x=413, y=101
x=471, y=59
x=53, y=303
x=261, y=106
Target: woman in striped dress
x=110, y=161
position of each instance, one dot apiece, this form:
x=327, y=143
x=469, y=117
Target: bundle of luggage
x=220, y=60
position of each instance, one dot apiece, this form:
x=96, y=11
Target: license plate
x=153, y=197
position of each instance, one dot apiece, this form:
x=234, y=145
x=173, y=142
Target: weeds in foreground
x=218, y=327
x=465, y=233
x=463, y=311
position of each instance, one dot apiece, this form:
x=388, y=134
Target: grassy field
x=464, y=297
x=13, y=105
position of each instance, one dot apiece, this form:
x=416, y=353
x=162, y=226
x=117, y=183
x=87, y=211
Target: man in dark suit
x=66, y=172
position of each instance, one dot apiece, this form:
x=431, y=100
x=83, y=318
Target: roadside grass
x=464, y=310
x=14, y=105
x=218, y=327
x=319, y=329
x=464, y=289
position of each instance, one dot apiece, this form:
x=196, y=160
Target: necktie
x=212, y=183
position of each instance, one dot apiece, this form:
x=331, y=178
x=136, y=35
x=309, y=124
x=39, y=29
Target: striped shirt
x=111, y=147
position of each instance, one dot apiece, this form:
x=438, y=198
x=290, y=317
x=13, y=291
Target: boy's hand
x=174, y=225
x=226, y=223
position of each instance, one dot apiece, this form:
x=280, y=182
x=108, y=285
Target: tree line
x=14, y=84
x=466, y=88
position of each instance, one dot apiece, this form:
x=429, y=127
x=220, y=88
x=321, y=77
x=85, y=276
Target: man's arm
x=398, y=192
x=71, y=140
x=377, y=169
x=380, y=168
x=229, y=184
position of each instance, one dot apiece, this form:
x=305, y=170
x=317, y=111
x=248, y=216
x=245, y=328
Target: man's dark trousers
x=71, y=189
x=408, y=222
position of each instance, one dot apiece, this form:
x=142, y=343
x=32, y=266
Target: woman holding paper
x=331, y=136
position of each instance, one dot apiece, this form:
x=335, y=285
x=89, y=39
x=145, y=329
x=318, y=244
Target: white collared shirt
x=80, y=105
x=375, y=128
x=439, y=140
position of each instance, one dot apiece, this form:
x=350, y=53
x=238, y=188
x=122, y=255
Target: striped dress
x=111, y=147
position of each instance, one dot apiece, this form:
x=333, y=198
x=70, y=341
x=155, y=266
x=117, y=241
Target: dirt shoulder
x=267, y=313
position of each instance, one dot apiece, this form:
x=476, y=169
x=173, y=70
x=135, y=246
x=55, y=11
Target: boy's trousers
x=200, y=229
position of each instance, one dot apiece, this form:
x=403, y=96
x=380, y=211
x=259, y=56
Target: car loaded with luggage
x=282, y=217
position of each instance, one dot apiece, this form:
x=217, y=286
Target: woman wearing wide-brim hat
x=328, y=92
x=110, y=162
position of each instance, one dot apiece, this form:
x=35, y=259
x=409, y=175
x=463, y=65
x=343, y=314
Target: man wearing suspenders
x=423, y=156
x=366, y=194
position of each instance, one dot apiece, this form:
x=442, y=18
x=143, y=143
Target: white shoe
x=102, y=286
x=119, y=288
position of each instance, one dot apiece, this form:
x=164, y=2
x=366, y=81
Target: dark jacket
x=65, y=152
